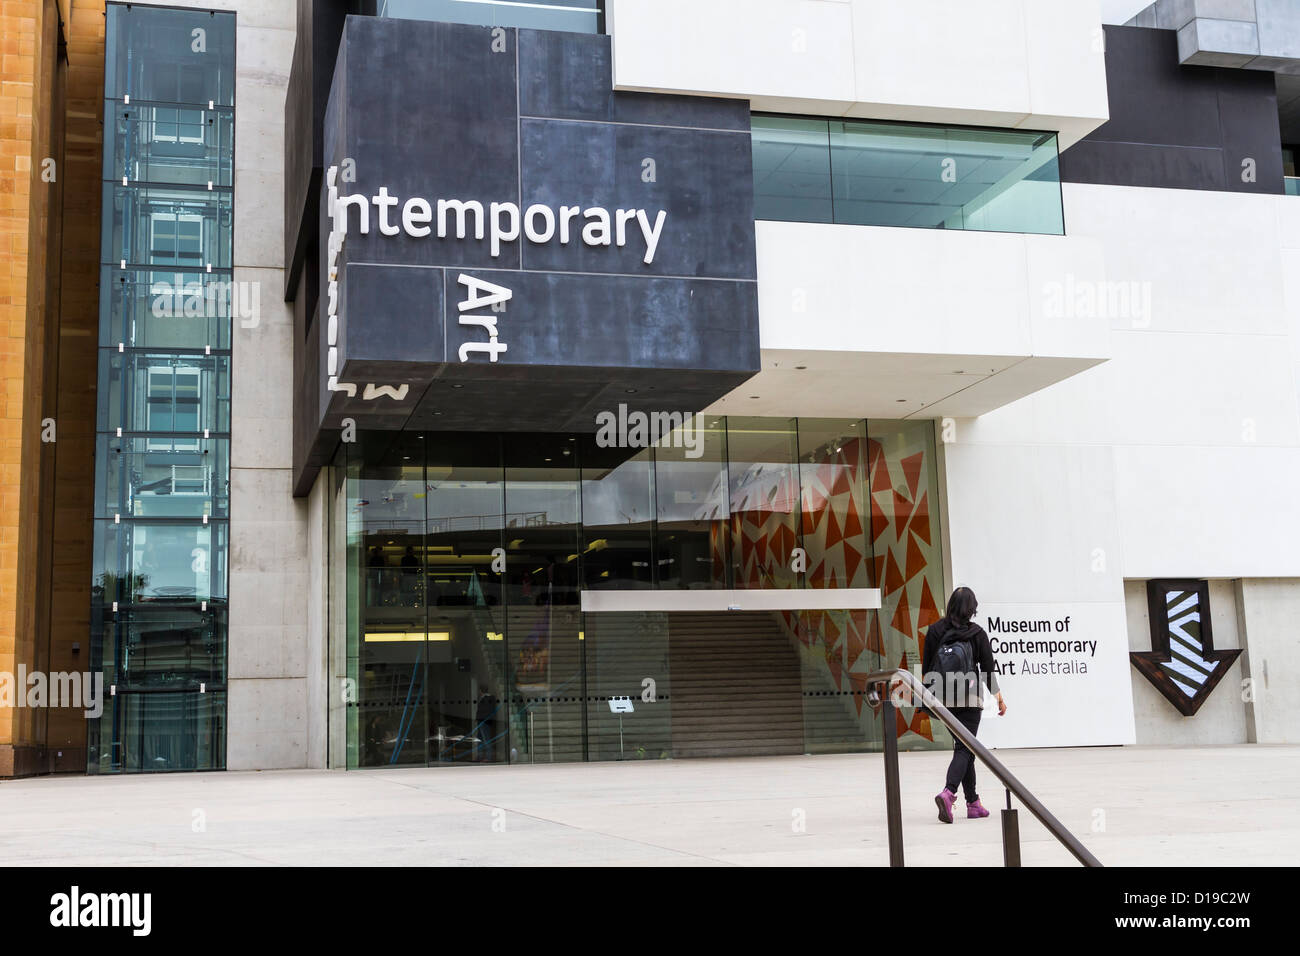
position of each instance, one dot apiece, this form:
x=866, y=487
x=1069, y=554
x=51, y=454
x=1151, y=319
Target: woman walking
x=957, y=654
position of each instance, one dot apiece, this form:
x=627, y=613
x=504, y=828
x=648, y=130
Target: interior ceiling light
x=394, y=637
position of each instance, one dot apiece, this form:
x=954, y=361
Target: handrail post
x=886, y=679
x=893, y=800
x=1010, y=835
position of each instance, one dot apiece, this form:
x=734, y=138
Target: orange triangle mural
x=833, y=535
x=902, y=511
x=840, y=484
x=851, y=561
x=854, y=644
x=912, y=470
x=902, y=621
x=874, y=643
x=852, y=525
x=879, y=523
x=880, y=480
x=929, y=611
x=915, y=559
x=893, y=576
x=921, y=521
x=921, y=725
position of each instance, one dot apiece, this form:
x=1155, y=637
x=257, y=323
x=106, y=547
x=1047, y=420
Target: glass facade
x=895, y=174
x=458, y=560
x=572, y=16
x=162, y=463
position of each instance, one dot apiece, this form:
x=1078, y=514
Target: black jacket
x=940, y=633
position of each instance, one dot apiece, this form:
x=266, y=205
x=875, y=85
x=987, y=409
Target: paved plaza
x=1201, y=806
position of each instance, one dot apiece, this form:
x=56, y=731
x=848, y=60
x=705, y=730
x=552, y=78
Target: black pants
x=961, y=772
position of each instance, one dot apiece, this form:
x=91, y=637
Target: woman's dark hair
x=961, y=607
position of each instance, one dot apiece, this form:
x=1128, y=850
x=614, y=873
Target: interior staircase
x=725, y=684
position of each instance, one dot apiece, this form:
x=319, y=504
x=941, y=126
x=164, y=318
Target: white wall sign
x=1064, y=671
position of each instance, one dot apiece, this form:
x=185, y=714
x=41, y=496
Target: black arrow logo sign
x=1182, y=663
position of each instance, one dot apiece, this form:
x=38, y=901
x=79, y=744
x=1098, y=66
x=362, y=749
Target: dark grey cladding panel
x=392, y=314
x=559, y=399
x=1186, y=127
x=612, y=322
x=1144, y=164
x=430, y=111
x=561, y=79
x=709, y=225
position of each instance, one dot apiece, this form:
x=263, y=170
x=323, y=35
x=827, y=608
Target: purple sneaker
x=944, y=802
x=975, y=809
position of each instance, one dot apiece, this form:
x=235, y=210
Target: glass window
x=148, y=477
x=143, y=561
x=835, y=513
x=455, y=609
x=172, y=648
x=170, y=56
x=158, y=731
x=167, y=226
x=172, y=309
x=897, y=174
x=765, y=521
x=162, y=459
x=543, y=516
x=573, y=16
x=153, y=392
x=623, y=651
x=169, y=144
x=792, y=169
x=692, y=510
x=617, y=517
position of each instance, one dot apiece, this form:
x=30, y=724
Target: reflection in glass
x=617, y=517
x=571, y=16
x=543, y=508
x=169, y=309
x=624, y=652
x=161, y=534
x=153, y=143
x=164, y=647
x=763, y=479
x=898, y=174
x=169, y=56
x=150, y=562
x=394, y=645
x=457, y=578
x=792, y=169
x=692, y=541
x=146, y=392
x=159, y=731
x=151, y=478
x=178, y=228
x=468, y=703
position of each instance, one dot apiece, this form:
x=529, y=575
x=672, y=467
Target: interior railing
x=893, y=802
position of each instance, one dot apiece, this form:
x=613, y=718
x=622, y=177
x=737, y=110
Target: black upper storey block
x=1183, y=127
x=623, y=230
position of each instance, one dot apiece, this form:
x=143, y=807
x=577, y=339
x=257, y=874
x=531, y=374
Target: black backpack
x=955, y=664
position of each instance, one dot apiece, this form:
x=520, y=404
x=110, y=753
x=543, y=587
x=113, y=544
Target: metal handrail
x=936, y=707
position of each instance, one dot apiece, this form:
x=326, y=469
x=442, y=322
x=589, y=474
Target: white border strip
x=757, y=599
